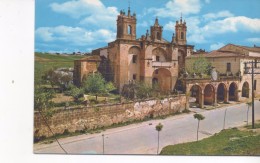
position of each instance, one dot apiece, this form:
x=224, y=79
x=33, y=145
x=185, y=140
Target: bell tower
x=180, y=32
x=126, y=25
x=156, y=30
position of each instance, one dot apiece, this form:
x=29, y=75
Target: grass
x=44, y=62
x=257, y=125
x=227, y=142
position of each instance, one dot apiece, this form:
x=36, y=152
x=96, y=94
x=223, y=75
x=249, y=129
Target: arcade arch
x=245, y=90
x=196, y=96
x=233, y=93
x=222, y=93
x=209, y=95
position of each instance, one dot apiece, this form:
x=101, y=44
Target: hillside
x=44, y=62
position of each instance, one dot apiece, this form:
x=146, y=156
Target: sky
x=68, y=26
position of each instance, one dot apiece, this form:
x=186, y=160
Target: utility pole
x=224, y=119
x=103, y=143
x=253, y=97
x=253, y=72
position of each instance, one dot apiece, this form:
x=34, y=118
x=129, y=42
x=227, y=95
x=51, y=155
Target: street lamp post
x=103, y=143
x=253, y=67
x=224, y=119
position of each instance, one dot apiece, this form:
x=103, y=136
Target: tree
x=110, y=87
x=95, y=84
x=42, y=99
x=51, y=77
x=249, y=104
x=158, y=128
x=58, y=78
x=76, y=93
x=143, y=90
x=198, y=65
x=65, y=80
x=199, y=117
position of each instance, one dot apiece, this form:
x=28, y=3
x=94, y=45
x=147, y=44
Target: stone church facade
x=128, y=59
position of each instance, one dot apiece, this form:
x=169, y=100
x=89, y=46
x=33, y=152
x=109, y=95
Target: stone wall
x=95, y=117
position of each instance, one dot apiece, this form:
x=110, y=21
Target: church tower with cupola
x=126, y=25
x=156, y=31
x=180, y=32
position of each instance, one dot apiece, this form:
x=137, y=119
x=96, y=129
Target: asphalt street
x=142, y=138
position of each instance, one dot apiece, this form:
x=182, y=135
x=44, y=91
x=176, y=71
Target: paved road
x=142, y=138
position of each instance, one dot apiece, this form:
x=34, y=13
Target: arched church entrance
x=162, y=77
x=245, y=90
x=233, y=92
x=209, y=95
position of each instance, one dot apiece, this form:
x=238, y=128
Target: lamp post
x=103, y=143
x=224, y=119
x=253, y=67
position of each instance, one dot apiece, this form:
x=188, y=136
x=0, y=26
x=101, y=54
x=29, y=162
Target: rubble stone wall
x=76, y=119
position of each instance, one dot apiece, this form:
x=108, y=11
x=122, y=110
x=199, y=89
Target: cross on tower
x=129, y=3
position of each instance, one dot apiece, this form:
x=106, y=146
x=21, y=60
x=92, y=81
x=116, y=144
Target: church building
x=150, y=58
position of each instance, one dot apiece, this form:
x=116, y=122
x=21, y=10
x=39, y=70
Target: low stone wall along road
x=142, y=138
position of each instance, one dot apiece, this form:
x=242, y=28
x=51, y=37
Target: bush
x=76, y=93
x=65, y=132
x=143, y=90
x=95, y=84
x=42, y=98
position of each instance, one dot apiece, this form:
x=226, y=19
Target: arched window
x=182, y=35
x=158, y=36
x=129, y=30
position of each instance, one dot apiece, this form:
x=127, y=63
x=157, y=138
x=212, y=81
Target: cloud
x=221, y=14
x=255, y=40
x=232, y=24
x=216, y=46
x=74, y=35
x=170, y=26
x=207, y=1
x=174, y=8
x=194, y=32
x=198, y=33
x=77, y=8
x=143, y=24
x=90, y=11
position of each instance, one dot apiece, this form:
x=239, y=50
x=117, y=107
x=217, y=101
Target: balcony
x=162, y=64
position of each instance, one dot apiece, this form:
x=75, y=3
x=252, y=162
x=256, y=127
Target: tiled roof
x=217, y=53
x=227, y=53
x=254, y=49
